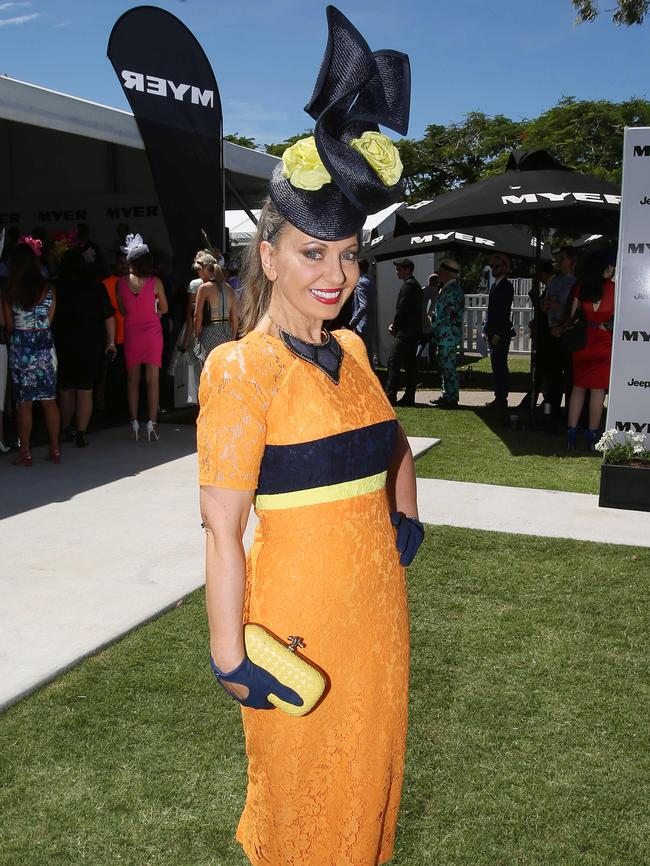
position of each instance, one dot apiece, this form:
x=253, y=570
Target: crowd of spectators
x=428, y=322
x=79, y=329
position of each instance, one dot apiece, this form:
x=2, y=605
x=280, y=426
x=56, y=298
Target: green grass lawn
x=528, y=738
x=477, y=445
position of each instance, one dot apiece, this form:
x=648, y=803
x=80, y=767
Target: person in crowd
x=90, y=251
x=405, y=328
x=591, y=365
x=12, y=235
x=486, y=280
x=556, y=299
x=426, y=343
x=84, y=334
x=115, y=379
x=293, y=419
x=3, y=374
x=498, y=327
x=4, y=369
x=541, y=334
x=364, y=310
x=216, y=319
x=447, y=324
x=231, y=274
x=29, y=305
x=142, y=302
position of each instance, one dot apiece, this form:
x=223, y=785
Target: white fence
x=475, y=313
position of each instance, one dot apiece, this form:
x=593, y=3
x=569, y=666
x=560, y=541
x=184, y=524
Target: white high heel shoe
x=135, y=430
x=152, y=431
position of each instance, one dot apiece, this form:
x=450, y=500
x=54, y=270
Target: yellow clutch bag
x=282, y=662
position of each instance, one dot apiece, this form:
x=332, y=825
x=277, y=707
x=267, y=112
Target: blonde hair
x=257, y=291
x=206, y=260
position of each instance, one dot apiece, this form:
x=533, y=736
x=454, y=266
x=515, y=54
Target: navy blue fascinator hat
x=328, y=183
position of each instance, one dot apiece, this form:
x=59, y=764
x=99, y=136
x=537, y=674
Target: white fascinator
x=134, y=247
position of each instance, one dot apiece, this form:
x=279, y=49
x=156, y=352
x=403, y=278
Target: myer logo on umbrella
x=165, y=87
x=458, y=236
x=535, y=197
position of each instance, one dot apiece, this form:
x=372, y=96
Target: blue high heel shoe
x=591, y=437
x=571, y=435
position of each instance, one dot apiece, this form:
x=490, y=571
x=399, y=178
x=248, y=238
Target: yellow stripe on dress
x=320, y=495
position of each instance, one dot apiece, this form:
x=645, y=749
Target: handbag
x=574, y=335
x=185, y=384
x=280, y=660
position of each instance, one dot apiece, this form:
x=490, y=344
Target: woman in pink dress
x=142, y=302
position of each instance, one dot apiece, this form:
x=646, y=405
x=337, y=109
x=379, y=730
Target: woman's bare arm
x=401, y=483
x=6, y=318
x=52, y=310
x=162, y=297
x=201, y=297
x=225, y=514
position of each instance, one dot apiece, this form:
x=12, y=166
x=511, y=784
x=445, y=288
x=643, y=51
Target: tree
x=243, y=140
x=450, y=156
x=628, y=11
x=587, y=135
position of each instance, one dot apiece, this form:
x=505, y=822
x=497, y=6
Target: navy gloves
x=410, y=535
x=260, y=684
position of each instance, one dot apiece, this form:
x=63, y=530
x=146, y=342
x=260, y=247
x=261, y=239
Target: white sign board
x=629, y=388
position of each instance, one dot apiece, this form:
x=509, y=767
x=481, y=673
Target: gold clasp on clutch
x=295, y=643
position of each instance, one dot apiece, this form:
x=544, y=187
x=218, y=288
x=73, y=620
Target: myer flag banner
x=173, y=94
x=628, y=405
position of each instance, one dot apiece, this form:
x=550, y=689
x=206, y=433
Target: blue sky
x=515, y=57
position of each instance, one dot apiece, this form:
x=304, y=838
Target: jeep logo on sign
x=165, y=87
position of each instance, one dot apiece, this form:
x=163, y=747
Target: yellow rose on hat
x=303, y=167
x=381, y=154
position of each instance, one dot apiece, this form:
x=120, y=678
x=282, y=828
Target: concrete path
x=111, y=538
x=551, y=513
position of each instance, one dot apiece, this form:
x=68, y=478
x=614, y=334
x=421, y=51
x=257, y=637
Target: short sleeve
x=238, y=382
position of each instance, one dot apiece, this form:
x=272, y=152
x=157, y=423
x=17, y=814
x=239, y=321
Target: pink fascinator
x=34, y=243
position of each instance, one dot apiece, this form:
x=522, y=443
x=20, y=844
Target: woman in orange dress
x=592, y=363
x=294, y=421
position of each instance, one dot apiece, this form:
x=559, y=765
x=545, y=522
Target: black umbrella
x=515, y=242
x=535, y=190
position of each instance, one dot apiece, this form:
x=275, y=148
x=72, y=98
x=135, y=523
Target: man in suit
x=498, y=327
x=405, y=328
x=364, y=307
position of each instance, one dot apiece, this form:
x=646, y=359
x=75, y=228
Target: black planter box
x=624, y=487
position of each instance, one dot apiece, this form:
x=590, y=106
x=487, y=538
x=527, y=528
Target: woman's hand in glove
x=410, y=534
x=259, y=682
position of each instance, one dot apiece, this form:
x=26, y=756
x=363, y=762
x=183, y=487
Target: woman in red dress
x=591, y=365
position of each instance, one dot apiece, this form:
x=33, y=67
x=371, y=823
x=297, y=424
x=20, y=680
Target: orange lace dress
x=323, y=789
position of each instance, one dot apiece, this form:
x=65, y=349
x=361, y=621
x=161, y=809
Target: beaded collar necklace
x=326, y=355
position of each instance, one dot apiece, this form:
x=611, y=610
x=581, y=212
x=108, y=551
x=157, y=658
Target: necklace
x=326, y=334
x=327, y=355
